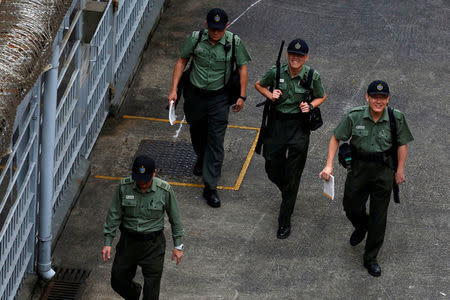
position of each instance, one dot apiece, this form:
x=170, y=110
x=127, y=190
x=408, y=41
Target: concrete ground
x=232, y=252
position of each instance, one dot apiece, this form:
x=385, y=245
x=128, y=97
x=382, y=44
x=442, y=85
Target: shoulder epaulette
x=398, y=114
x=126, y=180
x=358, y=108
x=162, y=184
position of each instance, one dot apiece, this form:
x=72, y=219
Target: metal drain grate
x=67, y=284
x=175, y=159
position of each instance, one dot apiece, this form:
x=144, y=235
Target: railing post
x=47, y=165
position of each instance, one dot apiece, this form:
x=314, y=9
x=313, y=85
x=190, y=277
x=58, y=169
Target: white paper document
x=172, y=116
x=328, y=188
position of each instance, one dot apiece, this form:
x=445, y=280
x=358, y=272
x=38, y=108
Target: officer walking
x=371, y=173
x=138, y=210
x=207, y=100
x=285, y=146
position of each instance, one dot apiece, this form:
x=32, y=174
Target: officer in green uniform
x=207, y=102
x=138, y=210
x=371, y=174
x=286, y=144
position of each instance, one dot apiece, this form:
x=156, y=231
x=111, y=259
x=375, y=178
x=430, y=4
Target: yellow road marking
x=184, y=122
x=242, y=173
x=169, y=182
x=246, y=164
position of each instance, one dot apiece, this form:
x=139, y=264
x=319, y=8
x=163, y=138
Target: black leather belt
x=378, y=157
x=140, y=236
x=207, y=93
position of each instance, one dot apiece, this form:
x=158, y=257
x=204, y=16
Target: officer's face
x=145, y=185
x=216, y=34
x=296, y=61
x=377, y=103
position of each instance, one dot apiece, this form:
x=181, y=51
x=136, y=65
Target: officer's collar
x=222, y=41
x=384, y=117
x=152, y=188
x=301, y=74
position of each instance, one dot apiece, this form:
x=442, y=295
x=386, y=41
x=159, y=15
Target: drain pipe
x=47, y=165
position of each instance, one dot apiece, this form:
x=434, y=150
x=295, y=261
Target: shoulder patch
x=398, y=114
x=195, y=34
x=126, y=180
x=163, y=184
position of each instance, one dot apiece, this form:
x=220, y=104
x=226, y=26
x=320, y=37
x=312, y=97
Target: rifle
x=268, y=105
x=394, y=149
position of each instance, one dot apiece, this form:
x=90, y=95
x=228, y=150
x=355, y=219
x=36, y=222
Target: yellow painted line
x=242, y=173
x=108, y=177
x=184, y=122
x=151, y=119
x=243, y=127
x=169, y=182
x=246, y=164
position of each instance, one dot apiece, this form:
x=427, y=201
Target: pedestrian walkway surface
x=232, y=252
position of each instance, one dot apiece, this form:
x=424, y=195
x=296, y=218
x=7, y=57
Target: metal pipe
x=47, y=165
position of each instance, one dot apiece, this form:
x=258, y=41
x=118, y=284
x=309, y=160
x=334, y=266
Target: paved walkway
x=232, y=252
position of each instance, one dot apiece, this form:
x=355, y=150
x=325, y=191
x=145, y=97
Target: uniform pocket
x=201, y=57
x=129, y=205
x=360, y=132
x=300, y=94
x=155, y=210
x=220, y=64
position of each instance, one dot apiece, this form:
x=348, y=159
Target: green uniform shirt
x=143, y=212
x=293, y=92
x=210, y=61
x=368, y=136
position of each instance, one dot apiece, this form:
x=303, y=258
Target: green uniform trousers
x=132, y=252
x=285, y=150
x=207, y=116
x=374, y=180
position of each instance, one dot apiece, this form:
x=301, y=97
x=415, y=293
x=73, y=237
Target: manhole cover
x=67, y=284
x=174, y=159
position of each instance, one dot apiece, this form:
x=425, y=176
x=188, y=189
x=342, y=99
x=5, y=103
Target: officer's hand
x=399, y=177
x=304, y=107
x=106, y=253
x=276, y=95
x=325, y=174
x=238, y=106
x=172, y=96
x=178, y=254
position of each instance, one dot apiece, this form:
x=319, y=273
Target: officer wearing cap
x=207, y=101
x=368, y=128
x=138, y=210
x=286, y=144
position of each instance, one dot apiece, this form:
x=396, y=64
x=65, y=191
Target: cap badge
x=217, y=18
x=379, y=87
x=142, y=170
x=297, y=46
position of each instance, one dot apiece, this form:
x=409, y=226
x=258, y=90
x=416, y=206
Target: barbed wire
x=27, y=31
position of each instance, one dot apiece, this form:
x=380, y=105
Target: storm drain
x=67, y=284
x=175, y=159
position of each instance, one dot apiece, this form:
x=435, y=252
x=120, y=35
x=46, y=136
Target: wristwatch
x=243, y=98
x=311, y=107
x=180, y=247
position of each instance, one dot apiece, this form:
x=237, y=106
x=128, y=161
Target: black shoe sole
x=214, y=205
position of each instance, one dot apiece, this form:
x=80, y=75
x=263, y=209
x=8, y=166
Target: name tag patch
x=281, y=79
x=360, y=127
x=129, y=197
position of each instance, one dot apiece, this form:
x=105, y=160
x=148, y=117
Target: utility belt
x=207, y=93
x=348, y=153
x=278, y=115
x=384, y=158
x=139, y=236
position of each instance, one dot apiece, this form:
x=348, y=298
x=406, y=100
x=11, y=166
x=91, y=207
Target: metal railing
x=87, y=69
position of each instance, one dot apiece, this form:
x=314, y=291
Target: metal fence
x=89, y=64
